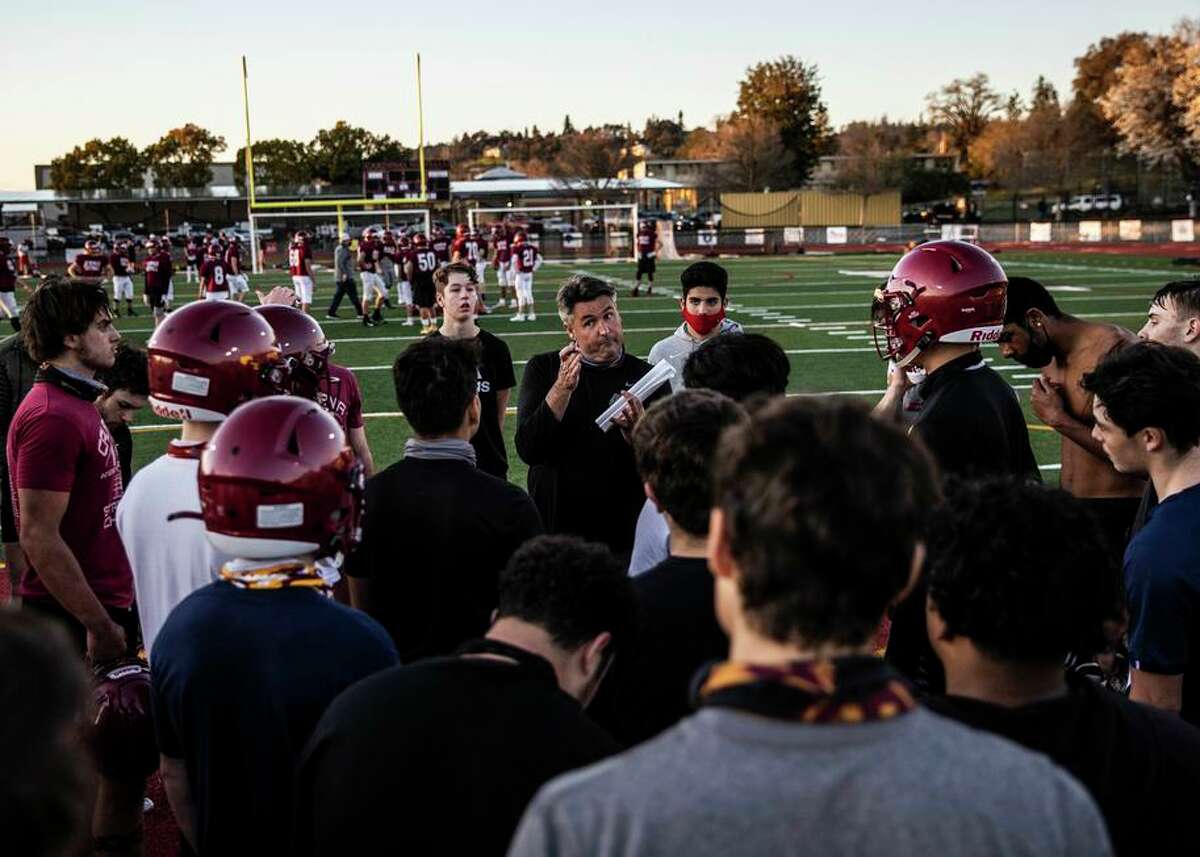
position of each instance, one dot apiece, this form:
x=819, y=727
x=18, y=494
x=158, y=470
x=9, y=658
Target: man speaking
x=583, y=480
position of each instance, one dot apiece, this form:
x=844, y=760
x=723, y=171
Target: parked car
x=557, y=226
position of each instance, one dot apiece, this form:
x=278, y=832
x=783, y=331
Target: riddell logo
x=174, y=412
x=989, y=335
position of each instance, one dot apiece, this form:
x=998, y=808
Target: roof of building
x=556, y=185
x=496, y=173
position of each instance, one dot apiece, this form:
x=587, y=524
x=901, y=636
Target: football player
x=501, y=256
x=122, y=266
x=8, y=284
x=314, y=376
x=440, y=245
x=90, y=266
x=468, y=248
x=204, y=361
x=214, y=276
x=525, y=260
x=158, y=271
x=387, y=264
x=234, y=271
x=373, y=295
x=26, y=267
x=403, y=286
x=300, y=265
x=165, y=246
x=647, y=250
x=421, y=265
x=192, y=252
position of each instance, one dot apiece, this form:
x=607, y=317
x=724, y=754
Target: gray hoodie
x=676, y=348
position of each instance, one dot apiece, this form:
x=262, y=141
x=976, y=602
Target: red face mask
x=703, y=324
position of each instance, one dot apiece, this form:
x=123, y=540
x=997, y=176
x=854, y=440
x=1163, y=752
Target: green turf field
x=816, y=307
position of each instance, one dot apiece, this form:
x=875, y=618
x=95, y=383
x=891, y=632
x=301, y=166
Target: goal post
x=569, y=233
x=271, y=231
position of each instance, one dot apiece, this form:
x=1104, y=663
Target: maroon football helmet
x=210, y=356
x=278, y=480
x=121, y=731
x=461, y=230
x=302, y=342
x=519, y=238
x=943, y=291
x=419, y=240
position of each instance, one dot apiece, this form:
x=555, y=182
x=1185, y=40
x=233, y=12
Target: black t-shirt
x=240, y=678
x=435, y=536
x=583, y=480
x=495, y=374
x=1141, y=765
x=123, y=438
x=970, y=419
x=440, y=757
x=650, y=690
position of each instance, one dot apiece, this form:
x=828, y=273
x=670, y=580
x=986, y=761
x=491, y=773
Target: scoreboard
x=398, y=179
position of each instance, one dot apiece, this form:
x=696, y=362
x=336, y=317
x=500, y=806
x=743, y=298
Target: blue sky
x=137, y=68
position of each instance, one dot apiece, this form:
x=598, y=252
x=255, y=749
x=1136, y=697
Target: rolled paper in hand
x=647, y=384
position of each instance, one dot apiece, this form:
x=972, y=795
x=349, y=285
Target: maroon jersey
x=121, y=265
x=403, y=257
x=58, y=442
x=158, y=272
x=339, y=394
x=441, y=249
x=389, y=250
x=91, y=264
x=233, y=261
x=424, y=262
x=191, y=252
x=298, y=256
x=213, y=274
x=646, y=242
x=501, y=247
x=458, y=248
x=369, y=252
x=525, y=258
x=8, y=273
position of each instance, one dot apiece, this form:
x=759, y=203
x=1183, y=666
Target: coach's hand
x=570, y=365
x=629, y=415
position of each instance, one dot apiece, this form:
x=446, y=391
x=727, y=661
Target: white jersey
x=170, y=559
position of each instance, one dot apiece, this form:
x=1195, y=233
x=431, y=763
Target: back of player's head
x=738, y=365
x=436, y=380
x=572, y=589
x=130, y=371
x=1022, y=570
x=708, y=274
x=823, y=509
x=580, y=289
x=675, y=445
x=59, y=308
x=1184, y=296
x=441, y=277
x=1025, y=294
x=46, y=799
x=1148, y=385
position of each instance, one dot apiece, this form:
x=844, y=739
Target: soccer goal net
x=568, y=233
x=273, y=231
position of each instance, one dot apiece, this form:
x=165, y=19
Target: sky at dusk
x=136, y=69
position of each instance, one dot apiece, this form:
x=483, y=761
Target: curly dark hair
x=128, y=372
x=572, y=589
x=1150, y=385
x=57, y=309
x=436, y=379
x=824, y=507
x=1024, y=294
x=740, y=366
x=1022, y=570
x=674, y=444
x=45, y=804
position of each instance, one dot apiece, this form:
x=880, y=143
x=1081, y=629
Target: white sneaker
x=531, y=317
x=518, y=317
x=408, y=322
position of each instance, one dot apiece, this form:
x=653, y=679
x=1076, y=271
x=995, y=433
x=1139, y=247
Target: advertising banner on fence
x=754, y=237
x=1183, y=230
x=1091, y=230
x=572, y=240
x=707, y=238
x=1130, y=230
x=1040, y=231
x=835, y=234
x=793, y=235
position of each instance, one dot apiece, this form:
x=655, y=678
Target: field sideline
x=816, y=307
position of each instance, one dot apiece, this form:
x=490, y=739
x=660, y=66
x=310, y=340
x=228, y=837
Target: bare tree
x=964, y=106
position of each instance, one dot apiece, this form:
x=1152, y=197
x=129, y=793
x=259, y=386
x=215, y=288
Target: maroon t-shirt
x=524, y=258
x=500, y=244
x=646, y=242
x=213, y=273
x=191, y=252
x=233, y=261
x=120, y=264
x=158, y=270
x=441, y=249
x=8, y=273
x=339, y=394
x=91, y=264
x=58, y=442
x=368, y=255
x=298, y=255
